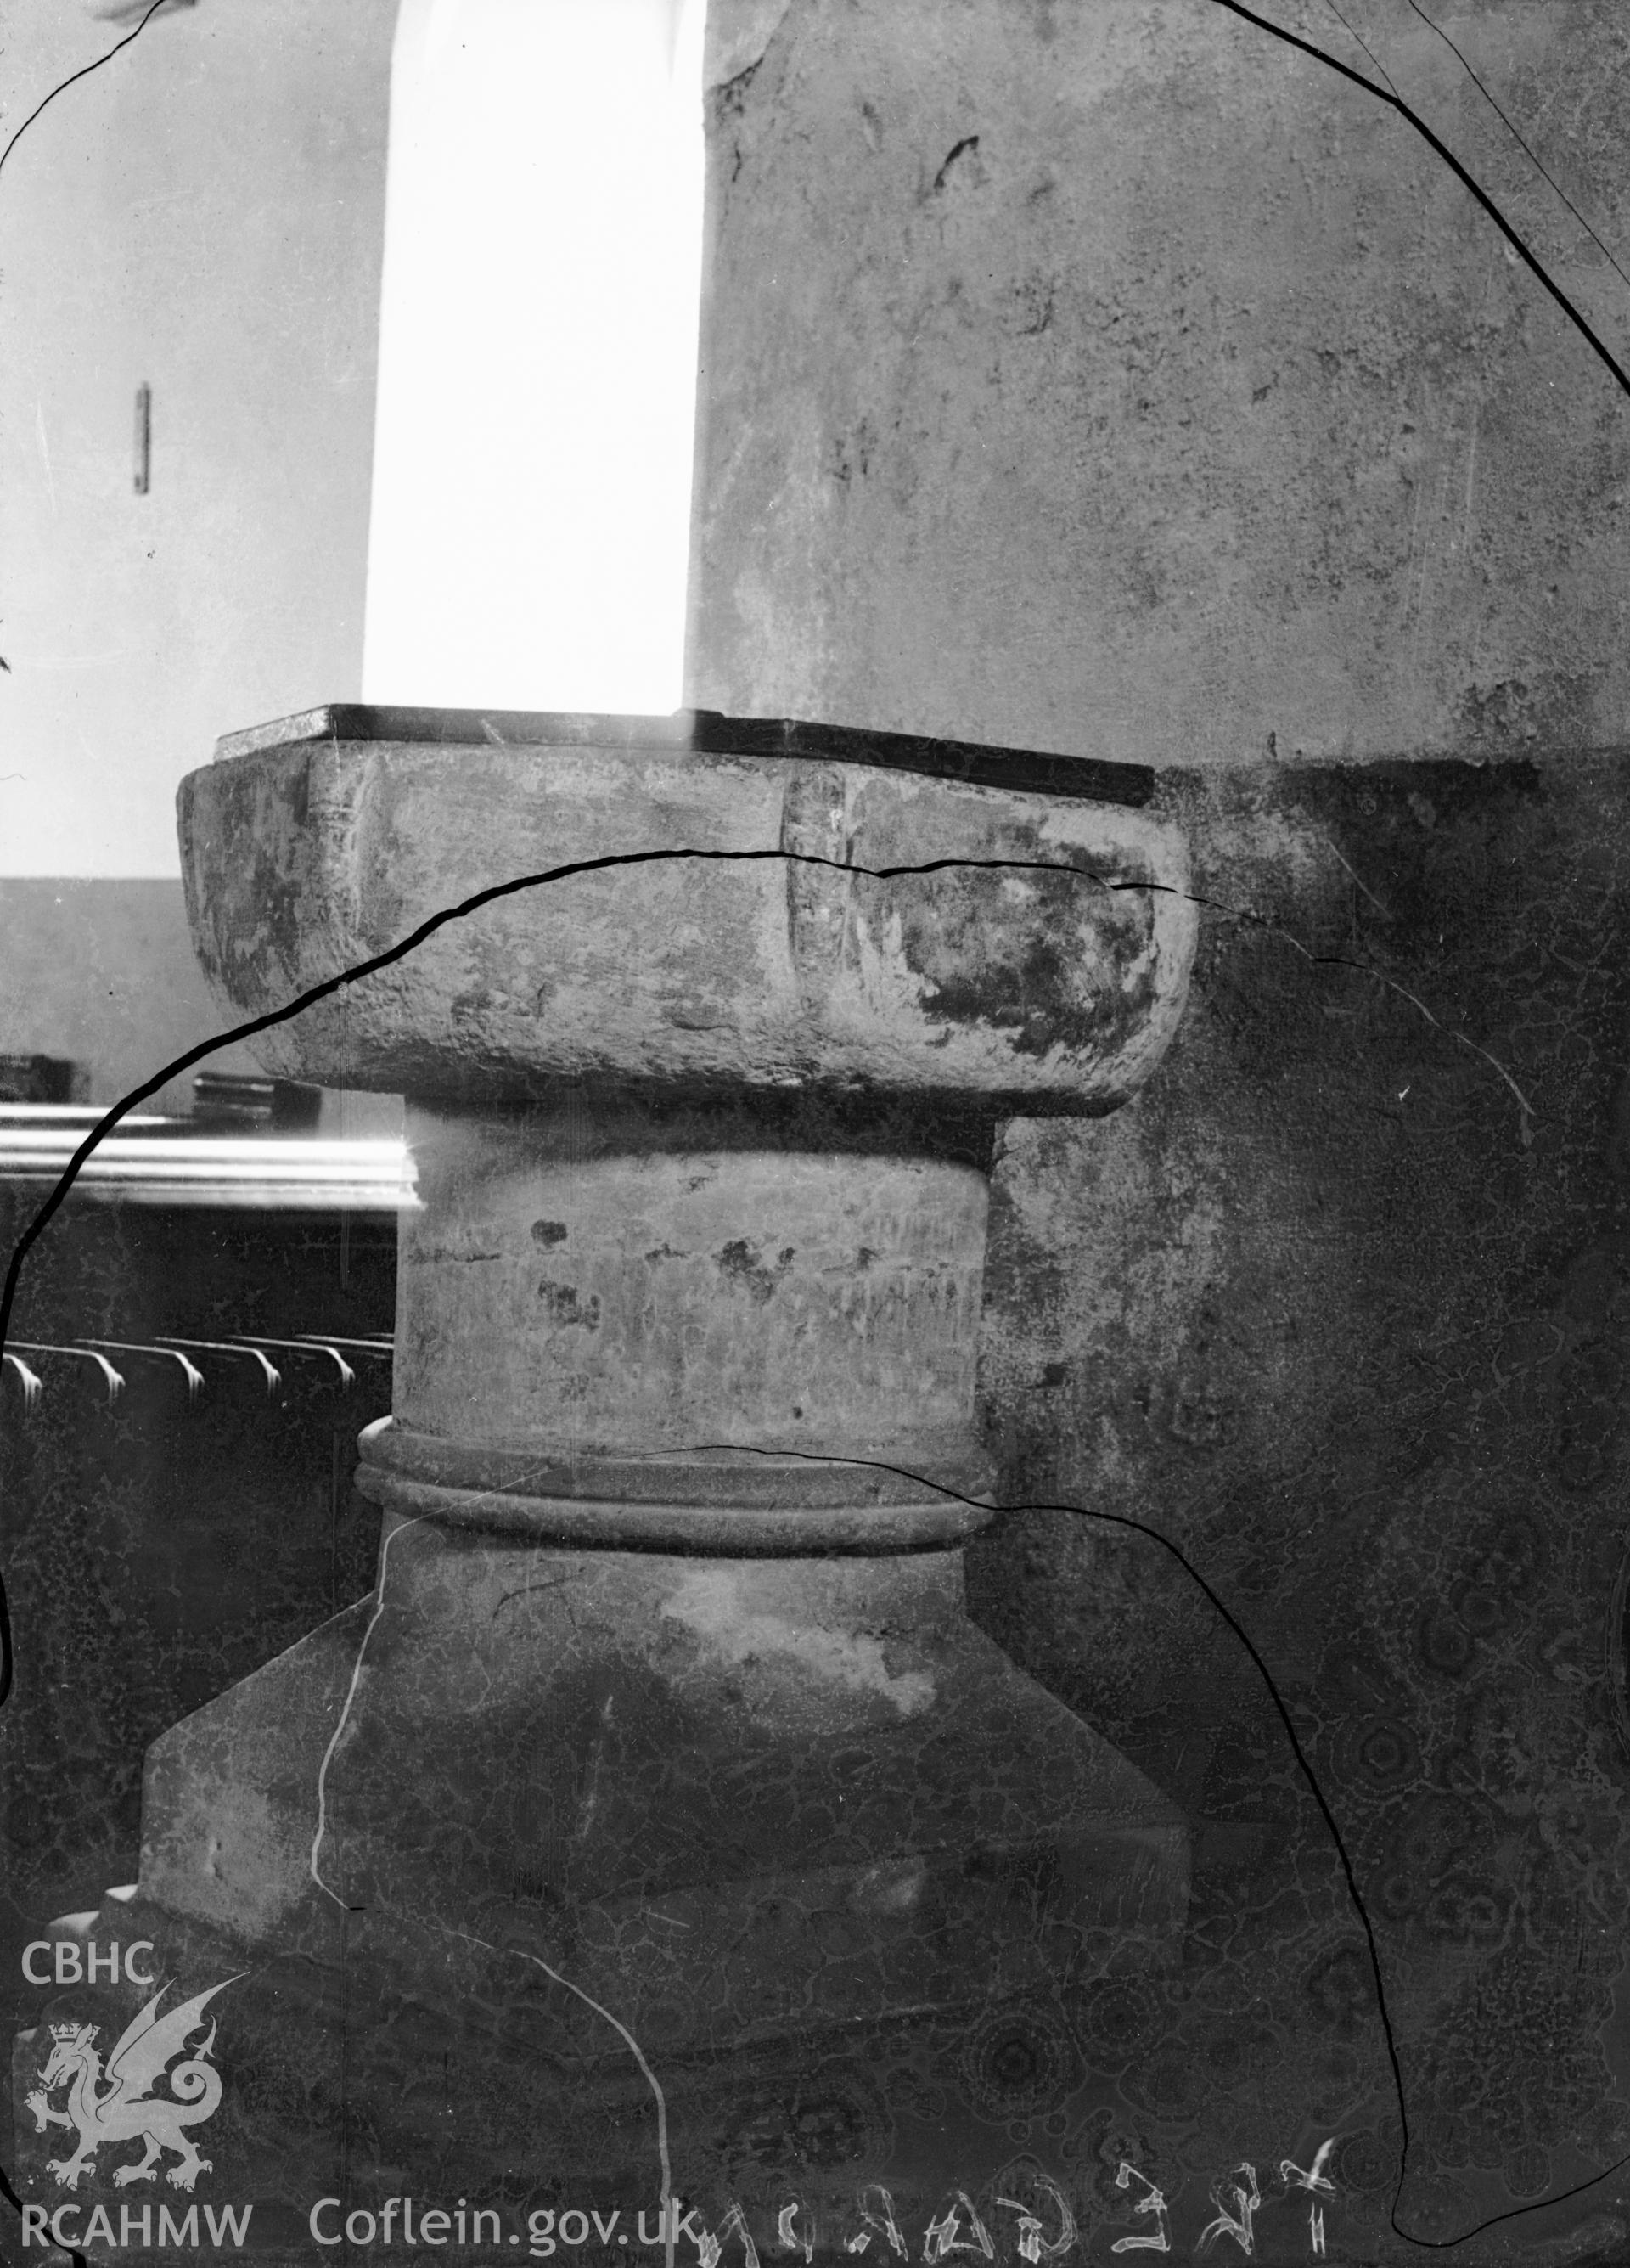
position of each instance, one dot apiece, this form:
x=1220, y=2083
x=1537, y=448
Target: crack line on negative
x=1142, y=1528
x=112, y=1118
x=106, y=1124
x=1358, y=40
x=1511, y=128
x=493, y=894
x=520, y=1953
x=488, y=1497
x=1395, y=101
x=73, y=79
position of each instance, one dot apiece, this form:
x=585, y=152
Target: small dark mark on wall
x=745, y=1263
x=143, y=438
x=567, y=1306
x=138, y=11
x=967, y=146
x=526, y=1590
x=1034, y=300
x=727, y=103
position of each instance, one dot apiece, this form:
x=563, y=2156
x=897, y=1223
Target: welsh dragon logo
x=115, y=2105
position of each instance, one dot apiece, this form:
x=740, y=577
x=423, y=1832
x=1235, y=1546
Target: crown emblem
x=74, y=2031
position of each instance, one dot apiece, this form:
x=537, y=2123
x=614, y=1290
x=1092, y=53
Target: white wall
x=205, y=213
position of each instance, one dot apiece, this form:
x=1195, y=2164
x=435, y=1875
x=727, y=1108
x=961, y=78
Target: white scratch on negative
x=635, y=2050
x=45, y=453
x=338, y=1734
x=1357, y=878
x=1526, y=1126
x=622, y=2029
x=350, y=1695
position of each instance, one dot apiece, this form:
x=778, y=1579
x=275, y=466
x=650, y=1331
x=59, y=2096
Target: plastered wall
x=1115, y=378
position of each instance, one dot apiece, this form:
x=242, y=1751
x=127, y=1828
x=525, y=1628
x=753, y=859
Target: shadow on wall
x=102, y=973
